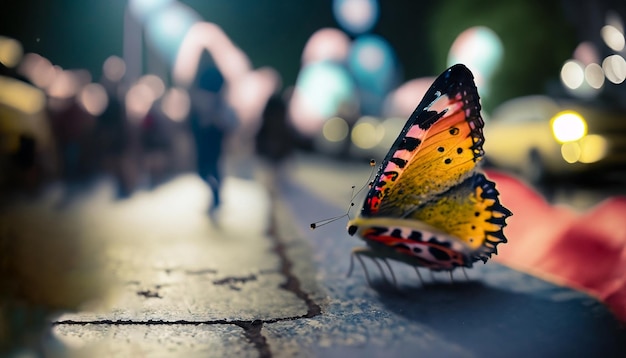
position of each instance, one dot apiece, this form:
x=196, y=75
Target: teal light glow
x=373, y=63
x=167, y=28
x=325, y=86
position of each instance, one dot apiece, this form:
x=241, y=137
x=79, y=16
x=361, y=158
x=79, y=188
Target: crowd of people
x=138, y=145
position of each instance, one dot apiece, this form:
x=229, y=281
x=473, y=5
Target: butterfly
x=429, y=204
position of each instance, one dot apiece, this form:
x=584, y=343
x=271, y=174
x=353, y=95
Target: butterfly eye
x=352, y=229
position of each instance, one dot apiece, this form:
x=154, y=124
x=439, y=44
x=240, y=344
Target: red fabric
x=586, y=251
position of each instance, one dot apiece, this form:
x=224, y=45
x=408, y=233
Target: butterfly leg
x=367, y=276
x=465, y=273
x=393, y=276
x=432, y=276
x=380, y=269
x=419, y=274
x=363, y=251
x=357, y=252
x=451, y=277
x=351, y=264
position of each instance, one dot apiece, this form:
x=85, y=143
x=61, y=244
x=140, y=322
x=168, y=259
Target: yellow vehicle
x=26, y=145
x=543, y=138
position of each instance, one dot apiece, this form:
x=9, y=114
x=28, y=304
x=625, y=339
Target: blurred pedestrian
x=72, y=127
x=275, y=140
x=111, y=137
x=211, y=121
x=156, y=144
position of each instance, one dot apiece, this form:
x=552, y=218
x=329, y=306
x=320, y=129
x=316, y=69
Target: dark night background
x=538, y=35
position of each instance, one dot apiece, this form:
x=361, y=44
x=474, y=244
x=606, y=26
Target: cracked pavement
x=264, y=285
x=181, y=279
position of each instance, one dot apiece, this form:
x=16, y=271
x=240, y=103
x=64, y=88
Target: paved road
x=263, y=284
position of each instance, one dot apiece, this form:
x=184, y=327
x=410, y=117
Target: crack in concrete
x=293, y=283
x=201, y=272
x=231, y=280
x=149, y=294
x=252, y=329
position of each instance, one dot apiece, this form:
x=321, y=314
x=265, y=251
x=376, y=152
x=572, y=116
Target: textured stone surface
x=199, y=340
x=496, y=311
x=172, y=264
x=188, y=289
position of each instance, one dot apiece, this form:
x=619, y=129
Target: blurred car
x=26, y=144
x=545, y=139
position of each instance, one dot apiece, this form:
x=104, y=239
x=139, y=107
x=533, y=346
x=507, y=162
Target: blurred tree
x=536, y=37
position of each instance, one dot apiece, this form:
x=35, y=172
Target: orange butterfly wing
x=438, y=148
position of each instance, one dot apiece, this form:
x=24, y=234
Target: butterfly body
x=429, y=205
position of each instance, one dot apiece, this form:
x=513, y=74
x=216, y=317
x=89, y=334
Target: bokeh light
x=594, y=75
x=249, y=94
x=176, y=104
x=570, y=152
x=321, y=89
x=155, y=84
x=402, y=101
x=568, y=126
x=367, y=132
x=613, y=37
x=326, y=44
x=373, y=64
x=586, y=53
x=93, y=98
x=594, y=148
x=114, y=68
x=356, y=16
x=11, y=52
x=166, y=28
x=614, y=67
x=39, y=70
x=391, y=129
x=572, y=74
x=66, y=84
x=582, y=76
x=21, y=96
x=335, y=129
x=139, y=99
x=589, y=149
x=481, y=50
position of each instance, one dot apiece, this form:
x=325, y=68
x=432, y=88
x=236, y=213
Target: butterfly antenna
x=368, y=183
x=353, y=195
x=317, y=224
